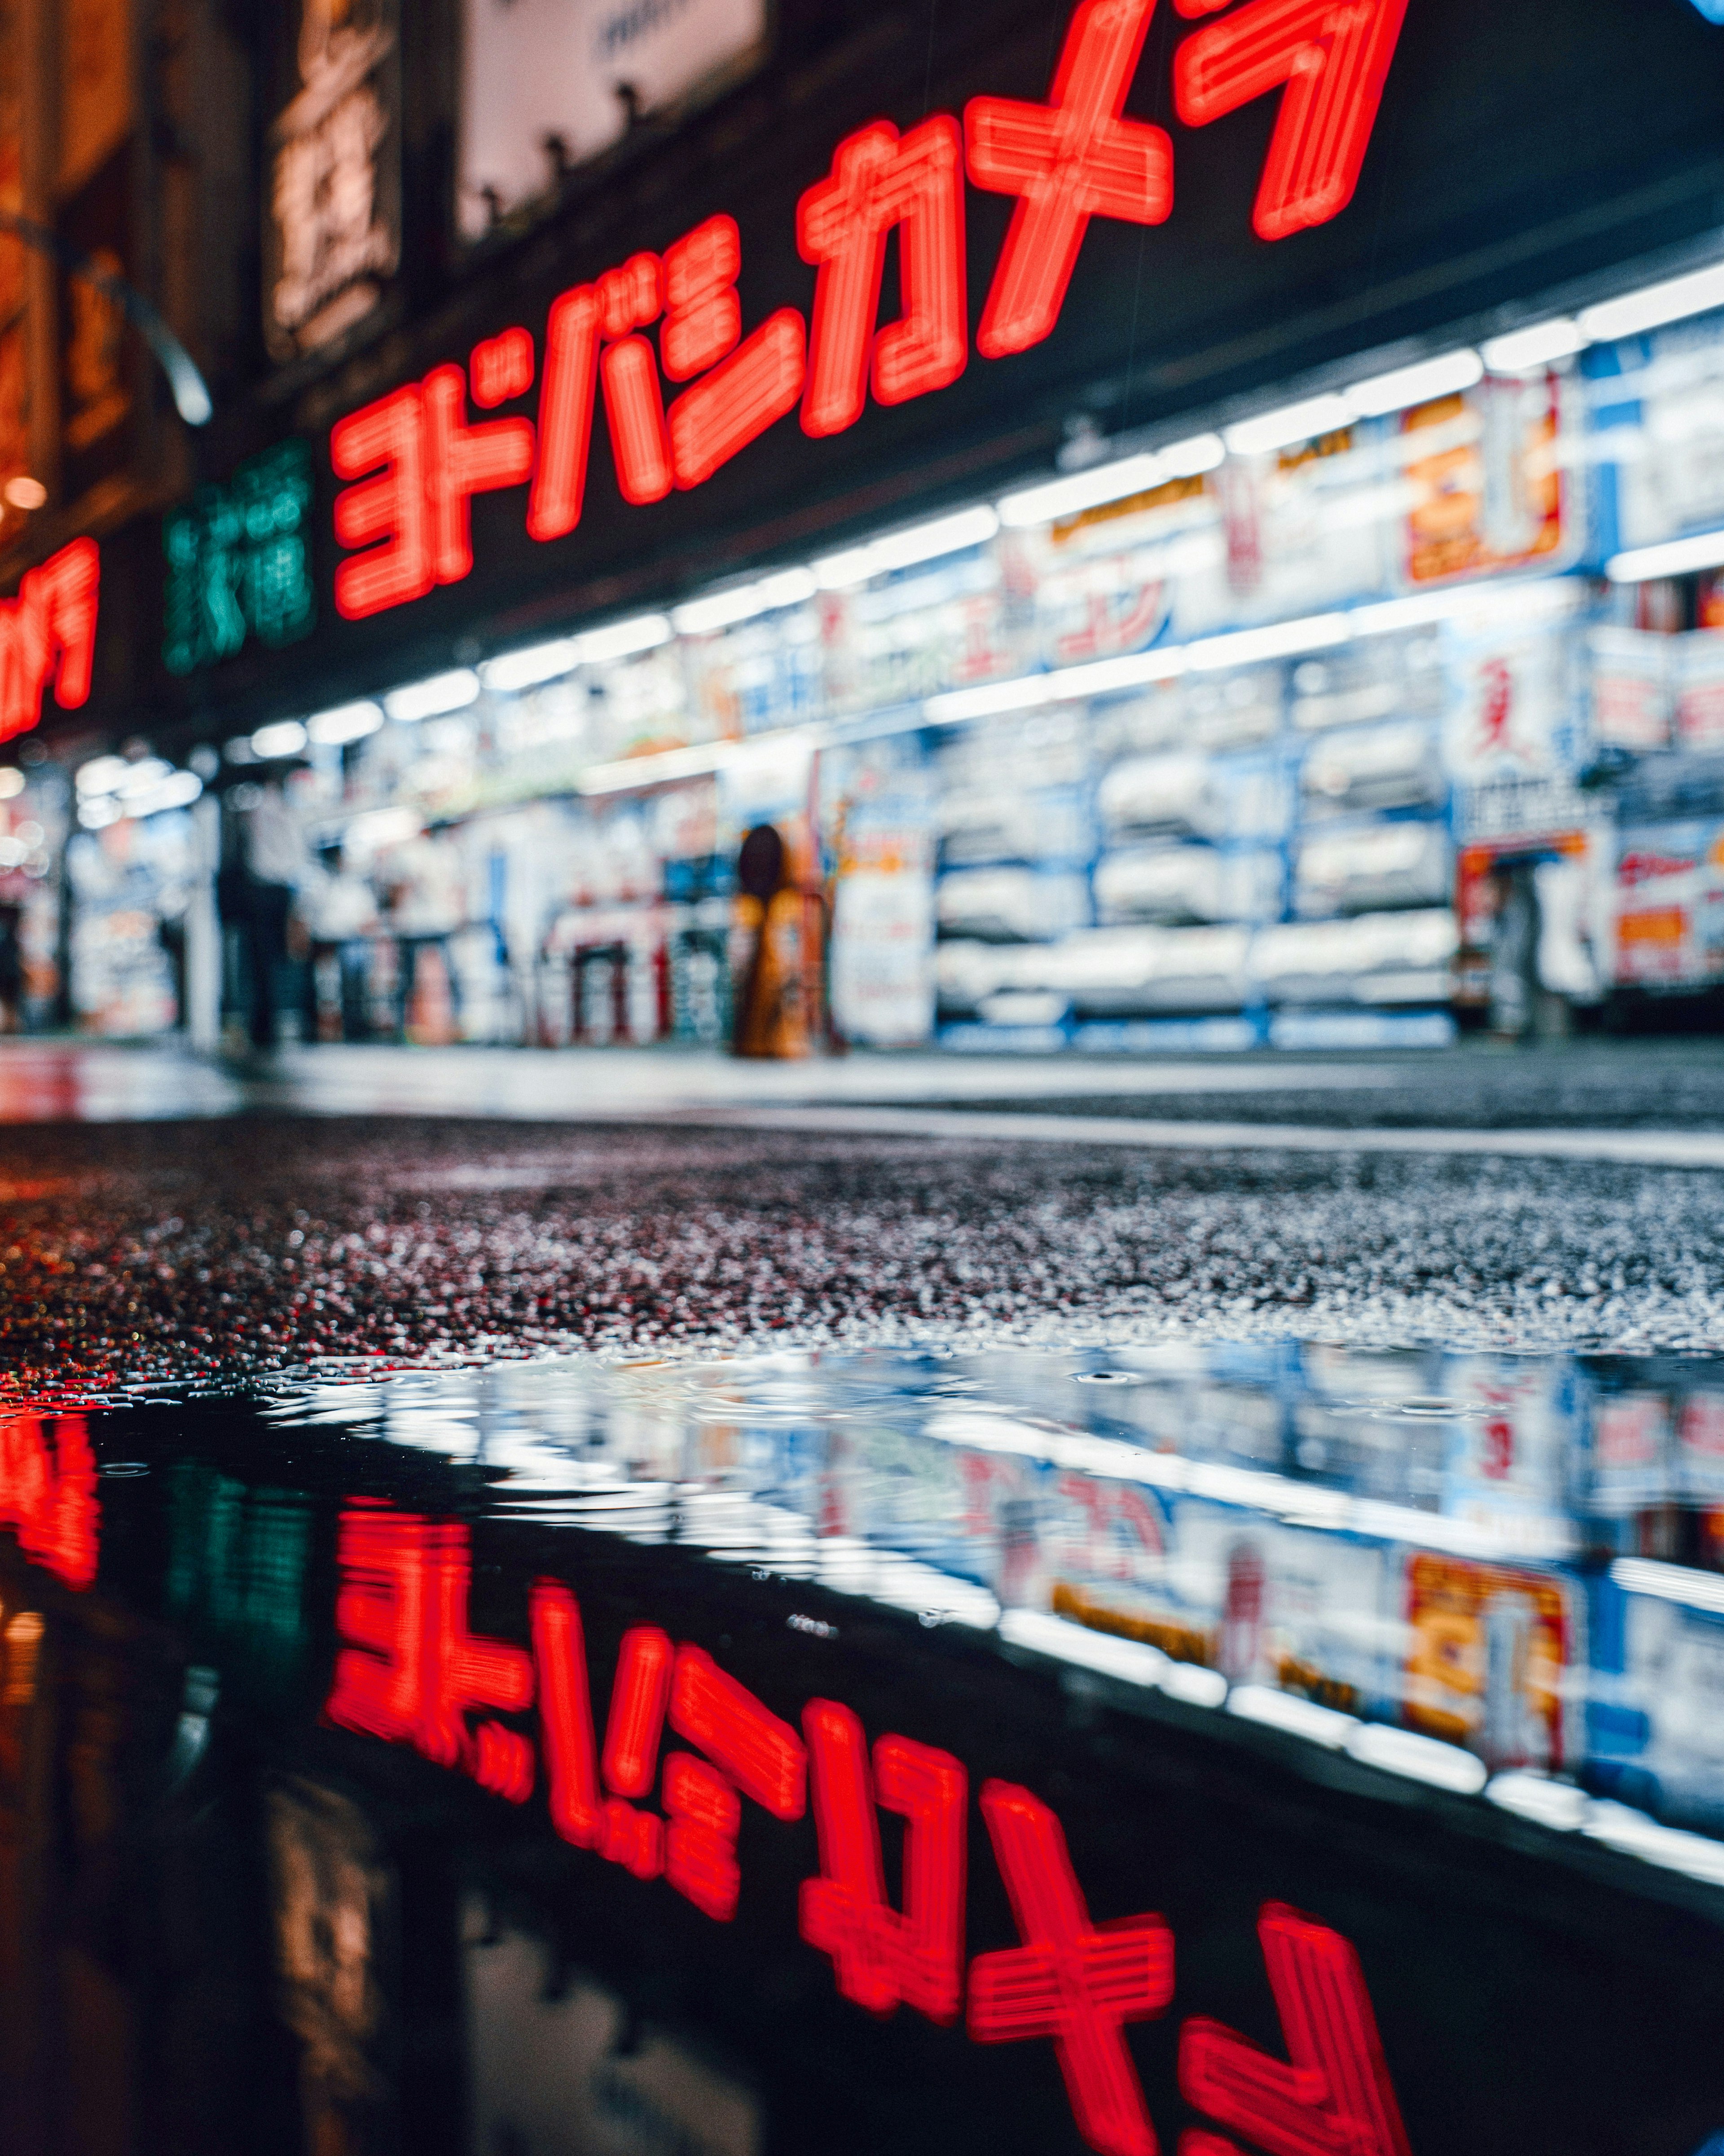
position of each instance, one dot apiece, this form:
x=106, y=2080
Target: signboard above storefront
x=1063, y=162
x=898, y=298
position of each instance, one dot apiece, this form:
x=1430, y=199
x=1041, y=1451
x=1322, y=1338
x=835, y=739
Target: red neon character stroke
x=703, y=315
x=566, y=1714
x=1067, y=160
x=636, y=1721
x=878, y=1956
x=461, y=461
x=47, y=632
x=879, y=180
x=1071, y=1980
x=571, y=381
x=1335, y=2098
x=386, y=439
x=419, y=466
x=1334, y=58
x=757, y=384
x=757, y=1752
x=409, y=1670
x=502, y=367
x=48, y=1497
x=758, y=381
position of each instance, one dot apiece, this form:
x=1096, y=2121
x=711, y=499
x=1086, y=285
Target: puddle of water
x=560, y=1756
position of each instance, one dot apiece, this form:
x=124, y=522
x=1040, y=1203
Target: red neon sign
x=47, y=635
x=1333, y=56
x=410, y=1671
x=1067, y=160
x=413, y=463
x=881, y=181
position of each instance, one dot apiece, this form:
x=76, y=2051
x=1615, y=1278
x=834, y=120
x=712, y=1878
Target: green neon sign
x=239, y=562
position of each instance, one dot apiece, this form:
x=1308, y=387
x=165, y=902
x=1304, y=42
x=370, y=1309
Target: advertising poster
x=1488, y=487
x=1669, y=905
x=1488, y=1652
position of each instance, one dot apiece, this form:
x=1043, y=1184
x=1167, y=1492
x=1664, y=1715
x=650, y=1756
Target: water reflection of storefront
x=331, y=1807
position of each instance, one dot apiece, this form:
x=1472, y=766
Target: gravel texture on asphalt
x=161, y=1250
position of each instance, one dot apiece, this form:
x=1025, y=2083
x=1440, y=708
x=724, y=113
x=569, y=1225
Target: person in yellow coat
x=776, y=950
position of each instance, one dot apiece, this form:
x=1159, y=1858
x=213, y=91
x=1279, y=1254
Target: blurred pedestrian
x=273, y=866
x=776, y=952
x=428, y=905
x=340, y=912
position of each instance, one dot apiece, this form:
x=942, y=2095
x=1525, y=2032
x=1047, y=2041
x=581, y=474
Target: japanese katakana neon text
x=412, y=462
x=410, y=1670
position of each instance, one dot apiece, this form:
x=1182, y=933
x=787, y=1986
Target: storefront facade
x=1186, y=561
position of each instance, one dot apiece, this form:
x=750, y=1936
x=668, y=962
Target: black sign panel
x=1516, y=152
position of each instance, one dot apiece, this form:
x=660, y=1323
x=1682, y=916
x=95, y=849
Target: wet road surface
x=244, y=1244
x=825, y=1615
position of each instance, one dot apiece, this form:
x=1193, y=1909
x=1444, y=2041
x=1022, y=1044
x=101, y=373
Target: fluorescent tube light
x=429, y=698
x=1654, y=305
x=1445, y=375
x=743, y=602
x=621, y=639
x=1632, y=1834
x=178, y=790
x=1424, y=1758
x=1557, y=1805
x=344, y=722
x=1292, y=423
x=1676, y=557
x=1113, y=482
x=1099, y=677
x=377, y=827
x=1245, y=647
x=1285, y=1710
x=902, y=550
x=1670, y=1582
x=102, y=774
x=141, y=777
x=286, y=737
x=512, y=670
x=1524, y=351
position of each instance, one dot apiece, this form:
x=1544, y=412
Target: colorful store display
x=1321, y=730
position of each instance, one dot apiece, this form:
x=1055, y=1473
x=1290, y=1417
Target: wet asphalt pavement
x=240, y=1244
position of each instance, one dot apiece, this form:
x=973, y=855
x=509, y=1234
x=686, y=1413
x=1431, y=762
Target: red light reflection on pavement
x=48, y=1493
x=409, y=1671
x=1334, y=57
x=1068, y=159
x=1335, y=2098
x=1070, y=1980
x=878, y=1956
